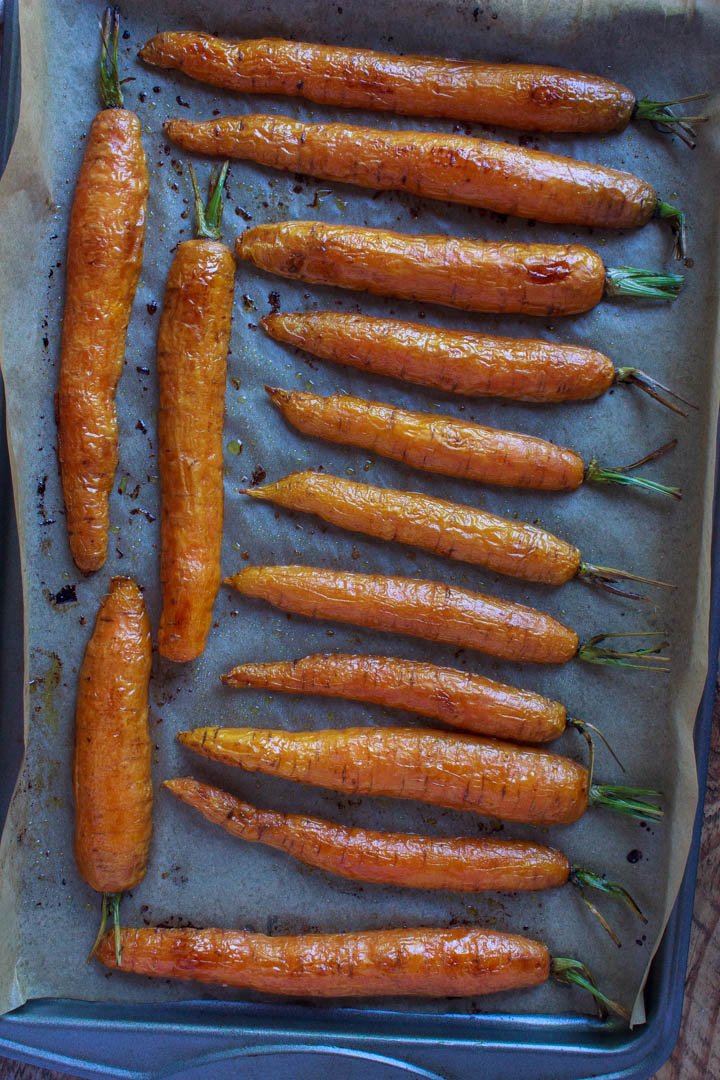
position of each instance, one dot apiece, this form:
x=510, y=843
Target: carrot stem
x=110, y=902
x=632, y=376
x=582, y=878
x=661, y=115
x=630, y=801
x=585, y=727
x=667, y=212
x=593, y=652
x=598, y=474
x=208, y=215
x=573, y=973
x=110, y=89
x=607, y=577
x=637, y=284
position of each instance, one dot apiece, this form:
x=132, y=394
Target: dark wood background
x=697, y=1054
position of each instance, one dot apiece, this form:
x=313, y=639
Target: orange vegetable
x=460, y=361
x=459, y=772
x=461, y=699
x=531, y=97
x=475, y=275
x=104, y=256
x=192, y=366
x=111, y=766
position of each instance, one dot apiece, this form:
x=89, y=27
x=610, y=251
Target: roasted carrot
x=460, y=448
x=104, y=255
x=459, y=962
x=111, y=766
x=431, y=610
x=531, y=97
x=462, y=863
x=192, y=366
x=444, y=528
x=460, y=361
x=491, y=175
x=459, y=772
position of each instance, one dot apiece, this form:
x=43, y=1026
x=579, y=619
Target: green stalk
x=208, y=216
x=585, y=727
x=606, y=577
x=649, y=659
x=110, y=89
x=637, y=284
x=632, y=376
x=598, y=474
x=583, y=878
x=630, y=801
x=572, y=973
x=110, y=904
x=667, y=212
x=661, y=115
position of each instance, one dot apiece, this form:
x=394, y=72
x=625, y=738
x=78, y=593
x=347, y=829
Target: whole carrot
x=462, y=864
x=111, y=765
x=460, y=448
x=431, y=610
x=474, y=275
x=461, y=361
x=459, y=962
x=104, y=256
x=531, y=97
x=444, y=528
x=459, y=772
x=491, y=175
x=192, y=353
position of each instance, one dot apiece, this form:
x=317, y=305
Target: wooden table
x=697, y=1054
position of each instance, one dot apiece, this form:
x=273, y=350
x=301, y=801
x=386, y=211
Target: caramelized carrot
x=491, y=175
x=434, y=611
x=459, y=772
x=475, y=275
x=192, y=366
x=460, y=361
x=460, y=699
x=531, y=97
x=111, y=766
x=442, y=444
x=104, y=255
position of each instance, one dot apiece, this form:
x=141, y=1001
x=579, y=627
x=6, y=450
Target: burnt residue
x=258, y=475
x=66, y=595
x=41, y=489
x=136, y=510
x=634, y=856
x=151, y=307
x=274, y=301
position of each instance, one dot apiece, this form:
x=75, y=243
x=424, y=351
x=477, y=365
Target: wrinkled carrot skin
x=444, y=528
x=111, y=766
x=459, y=962
x=192, y=366
x=529, y=97
x=463, y=864
x=104, y=256
x=474, y=275
x=437, y=444
x=425, y=609
x=457, y=361
x=460, y=699
x=493, y=175
x=459, y=772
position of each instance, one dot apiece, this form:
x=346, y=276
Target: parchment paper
x=198, y=874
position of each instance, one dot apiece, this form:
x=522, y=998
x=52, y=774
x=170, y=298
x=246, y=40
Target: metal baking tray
x=254, y=1041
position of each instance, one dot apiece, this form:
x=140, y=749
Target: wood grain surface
x=697, y=1054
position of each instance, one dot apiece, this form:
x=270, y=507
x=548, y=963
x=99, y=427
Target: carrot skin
x=192, y=353
x=111, y=767
x=460, y=699
x=457, y=361
x=460, y=962
x=438, y=444
x=104, y=256
x=529, y=97
x=462, y=864
x=459, y=772
x=474, y=275
x=444, y=528
x=492, y=175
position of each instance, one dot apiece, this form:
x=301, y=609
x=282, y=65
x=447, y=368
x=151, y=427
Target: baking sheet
x=198, y=875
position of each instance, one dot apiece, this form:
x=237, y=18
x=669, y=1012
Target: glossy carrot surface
x=439, y=444
x=457, y=361
x=492, y=175
x=444, y=528
x=104, y=256
x=530, y=97
x=459, y=772
x=458, y=962
x=475, y=275
x=460, y=699
x=192, y=365
x=111, y=766
x=427, y=609
x=463, y=864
